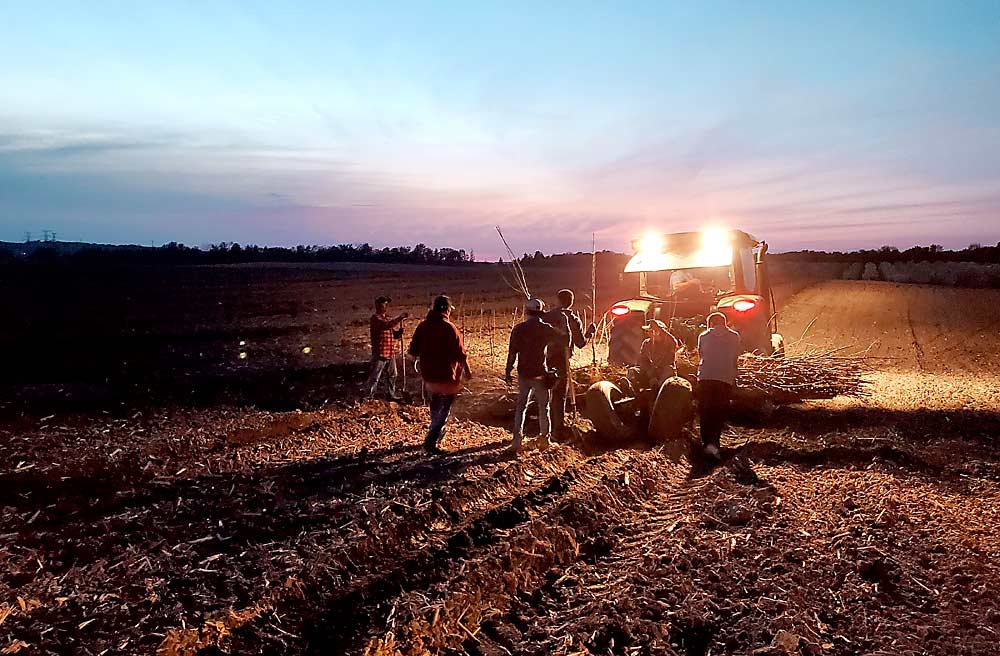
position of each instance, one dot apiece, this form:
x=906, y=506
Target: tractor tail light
x=744, y=305
x=620, y=310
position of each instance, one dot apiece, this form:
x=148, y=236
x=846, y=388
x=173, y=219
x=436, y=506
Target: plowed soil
x=218, y=505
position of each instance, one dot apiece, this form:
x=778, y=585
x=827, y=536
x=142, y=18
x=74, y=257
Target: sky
x=825, y=125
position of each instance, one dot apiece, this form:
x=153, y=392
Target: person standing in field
x=559, y=354
x=658, y=355
x=439, y=349
x=384, y=333
x=719, y=349
x=529, y=341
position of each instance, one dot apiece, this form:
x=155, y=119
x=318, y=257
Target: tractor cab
x=683, y=277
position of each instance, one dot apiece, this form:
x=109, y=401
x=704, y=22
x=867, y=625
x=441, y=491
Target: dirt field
x=163, y=495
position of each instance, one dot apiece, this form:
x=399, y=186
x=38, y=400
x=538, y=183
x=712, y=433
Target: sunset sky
x=830, y=125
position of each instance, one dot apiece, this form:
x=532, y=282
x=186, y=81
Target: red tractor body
x=683, y=277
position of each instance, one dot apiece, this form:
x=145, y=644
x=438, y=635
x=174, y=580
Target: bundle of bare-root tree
x=809, y=375
x=800, y=376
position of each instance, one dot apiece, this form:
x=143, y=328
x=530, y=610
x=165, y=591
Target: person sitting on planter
x=657, y=356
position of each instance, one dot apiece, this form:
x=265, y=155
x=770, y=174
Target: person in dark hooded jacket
x=439, y=349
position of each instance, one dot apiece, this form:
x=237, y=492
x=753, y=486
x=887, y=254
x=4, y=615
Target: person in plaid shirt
x=384, y=332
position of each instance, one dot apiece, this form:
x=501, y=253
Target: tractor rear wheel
x=600, y=399
x=672, y=410
x=626, y=339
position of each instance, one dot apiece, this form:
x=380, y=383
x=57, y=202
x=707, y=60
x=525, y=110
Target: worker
x=719, y=349
x=529, y=341
x=657, y=355
x=439, y=349
x=684, y=284
x=384, y=333
x=559, y=356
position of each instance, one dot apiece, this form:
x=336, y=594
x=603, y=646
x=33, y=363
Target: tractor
x=682, y=278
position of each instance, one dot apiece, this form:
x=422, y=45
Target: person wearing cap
x=384, y=333
x=439, y=349
x=719, y=349
x=529, y=341
x=657, y=355
x=560, y=354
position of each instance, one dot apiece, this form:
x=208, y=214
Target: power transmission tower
x=52, y=235
x=27, y=237
x=45, y=235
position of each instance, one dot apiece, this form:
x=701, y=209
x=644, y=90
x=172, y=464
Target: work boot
x=431, y=444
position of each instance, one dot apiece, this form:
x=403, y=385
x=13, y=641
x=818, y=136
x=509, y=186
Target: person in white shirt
x=719, y=348
x=684, y=284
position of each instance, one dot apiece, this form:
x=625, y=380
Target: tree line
x=933, y=253
x=230, y=253
x=234, y=253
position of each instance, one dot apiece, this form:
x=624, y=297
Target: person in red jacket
x=438, y=347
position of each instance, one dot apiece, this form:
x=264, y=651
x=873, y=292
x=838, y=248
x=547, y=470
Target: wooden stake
x=593, y=294
x=493, y=322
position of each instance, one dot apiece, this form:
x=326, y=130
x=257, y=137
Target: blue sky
x=819, y=125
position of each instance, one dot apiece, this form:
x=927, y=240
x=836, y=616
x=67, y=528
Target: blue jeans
x=380, y=366
x=526, y=389
x=440, y=409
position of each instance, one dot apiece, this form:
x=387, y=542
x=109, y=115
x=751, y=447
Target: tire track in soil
x=351, y=582
x=361, y=614
x=582, y=532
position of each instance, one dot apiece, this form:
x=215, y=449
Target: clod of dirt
x=786, y=641
x=880, y=571
x=737, y=516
